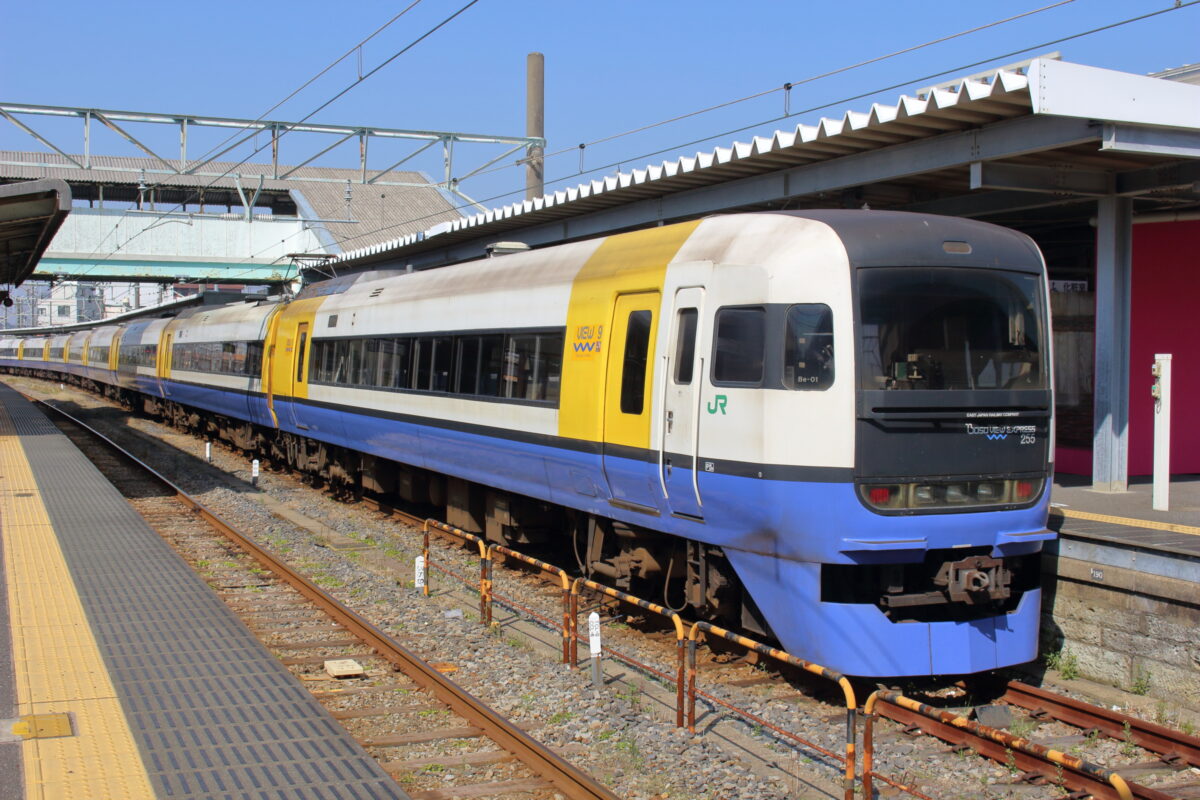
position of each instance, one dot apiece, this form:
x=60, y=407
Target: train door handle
x=670, y=420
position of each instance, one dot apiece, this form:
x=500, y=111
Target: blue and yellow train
x=833, y=427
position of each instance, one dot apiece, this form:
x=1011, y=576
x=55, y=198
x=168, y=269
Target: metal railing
x=785, y=658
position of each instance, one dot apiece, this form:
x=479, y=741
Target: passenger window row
x=515, y=366
x=138, y=355
x=221, y=358
x=98, y=354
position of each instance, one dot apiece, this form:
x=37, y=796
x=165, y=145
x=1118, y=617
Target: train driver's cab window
x=808, y=347
x=633, y=373
x=685, y=346
x=739, y=345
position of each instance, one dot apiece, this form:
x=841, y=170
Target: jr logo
x=718, y=404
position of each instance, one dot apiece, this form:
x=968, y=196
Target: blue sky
x=610, y=66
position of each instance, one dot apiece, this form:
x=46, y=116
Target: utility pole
x=535, y=123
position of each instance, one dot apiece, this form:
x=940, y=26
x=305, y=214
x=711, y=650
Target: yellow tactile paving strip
x=1128, y=521
x=57, y=663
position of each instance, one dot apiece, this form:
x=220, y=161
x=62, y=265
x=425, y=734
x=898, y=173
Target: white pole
x=254, y=472
x=594, y=647
x=208, y=452
x=419, y=572
x=1161, y=496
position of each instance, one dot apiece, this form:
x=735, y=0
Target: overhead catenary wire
x=358, y=81
x=892, y=87
x=611, y=137
x=216, y=151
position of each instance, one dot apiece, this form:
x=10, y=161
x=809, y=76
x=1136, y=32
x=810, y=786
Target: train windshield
x=951, y=329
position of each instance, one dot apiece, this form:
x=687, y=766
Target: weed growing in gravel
x=1160, y=712
x=434, y=768
x=1141, y=683
x=432, y=712
x=1021, y=728
x=1064, y=663
x=560, y=717
x=631, y=695
x=605, y=735
x=327, y=581
x=630, y=748
x=1188, y=727
x=1129, y=748
x=1010, y=762
x=515, y=641
x=1089, y=739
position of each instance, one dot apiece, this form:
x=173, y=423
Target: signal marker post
x=594, y=647
x=1160, y=499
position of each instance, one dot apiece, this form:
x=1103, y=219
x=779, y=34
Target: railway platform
x=1126, y=519
x=121, y=673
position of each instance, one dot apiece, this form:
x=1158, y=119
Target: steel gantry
x=247, y=130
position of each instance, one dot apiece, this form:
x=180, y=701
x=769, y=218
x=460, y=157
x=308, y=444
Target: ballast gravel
x=622, y=732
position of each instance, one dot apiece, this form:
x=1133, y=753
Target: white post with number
x=1161, y=390
x=594, y=647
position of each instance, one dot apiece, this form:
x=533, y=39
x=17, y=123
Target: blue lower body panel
x=858, y=639
x=776, y=533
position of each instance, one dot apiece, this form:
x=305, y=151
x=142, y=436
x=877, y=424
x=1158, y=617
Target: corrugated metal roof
x=407, y=209
x=967, y=103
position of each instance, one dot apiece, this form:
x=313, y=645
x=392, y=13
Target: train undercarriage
x=691, y=577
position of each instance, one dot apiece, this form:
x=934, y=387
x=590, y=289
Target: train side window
x=340, y=363
x=403, y=363
x=491, y=359
x=685, y=345
x=370, y=364
x=443, y=363
x=387, y=362
x=551, y=348
x=739, y=345
x=468, y=365
x=633, y=373
x=423, y=363
x=354, y=360
x=808, y=347
x=300, y=357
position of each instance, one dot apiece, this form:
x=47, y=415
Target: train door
x=164, y=363
x=628, y=454
x=682, y=367
x=299, y=366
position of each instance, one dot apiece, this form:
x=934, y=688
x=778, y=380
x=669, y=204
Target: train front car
x=924, y=558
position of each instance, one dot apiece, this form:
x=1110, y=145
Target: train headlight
x=957, y=495
x=925, y=495
x=989, y=491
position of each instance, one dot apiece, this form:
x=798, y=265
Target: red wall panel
x=1165, y=319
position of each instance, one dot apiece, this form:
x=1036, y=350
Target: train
x=829, y=427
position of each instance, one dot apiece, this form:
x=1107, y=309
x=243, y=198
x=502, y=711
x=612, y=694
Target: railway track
x=1034, y=762
x=1166, y=750
x=400, y=709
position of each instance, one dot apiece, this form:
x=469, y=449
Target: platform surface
x=1126, y=518
x=166, y=692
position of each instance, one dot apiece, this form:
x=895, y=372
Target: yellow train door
x=628, y=400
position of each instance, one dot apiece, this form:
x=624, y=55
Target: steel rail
x=1000, y=746
x=562, y=775
x=1168, y=743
